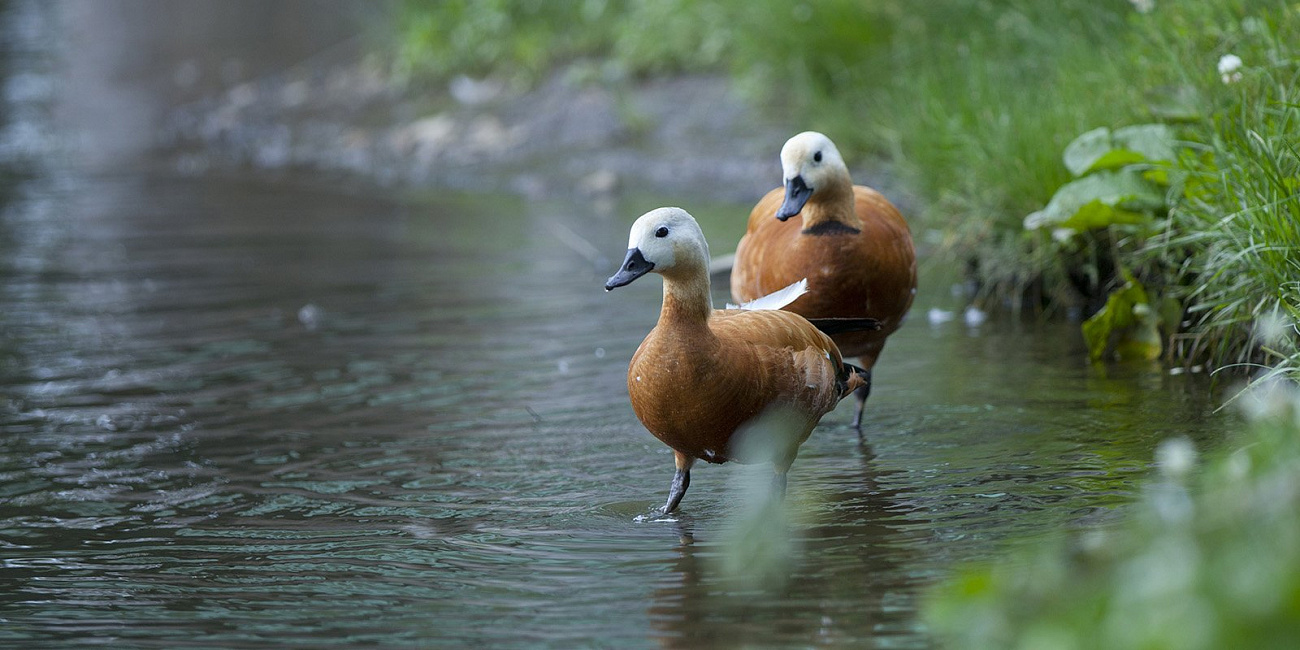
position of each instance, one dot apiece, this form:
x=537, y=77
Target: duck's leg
x=861, y=395
x=781, y=465
x=681, y=481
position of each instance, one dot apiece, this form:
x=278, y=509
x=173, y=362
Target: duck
x=850, y=242
x=704, y=381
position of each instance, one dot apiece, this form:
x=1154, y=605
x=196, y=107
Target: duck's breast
x=686, y=399
x=851, y=272
x=763, y=254
x=695, y=396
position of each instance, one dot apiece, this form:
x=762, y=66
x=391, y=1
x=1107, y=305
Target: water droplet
x=938, y=316
x=309, y=316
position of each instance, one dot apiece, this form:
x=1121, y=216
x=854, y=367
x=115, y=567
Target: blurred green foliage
x=1205, y=560
x=522, y=40
x=973, y=103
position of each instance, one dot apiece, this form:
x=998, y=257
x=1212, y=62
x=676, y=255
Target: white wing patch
x=776, y=299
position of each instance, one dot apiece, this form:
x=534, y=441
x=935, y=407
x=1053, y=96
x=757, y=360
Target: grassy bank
x=974, y=103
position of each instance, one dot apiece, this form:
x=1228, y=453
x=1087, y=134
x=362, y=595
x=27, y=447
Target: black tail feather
x=830, y=326
x=842, y=377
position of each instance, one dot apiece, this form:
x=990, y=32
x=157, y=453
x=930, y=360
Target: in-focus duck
x=851, y=244
x=703, y=375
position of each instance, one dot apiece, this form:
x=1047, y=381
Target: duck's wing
x=841, y=325
x=799, y=362
x=769, y=328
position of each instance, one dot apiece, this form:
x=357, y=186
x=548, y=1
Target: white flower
x=1143, y=6
x=1230, y=68
x=1273, y=328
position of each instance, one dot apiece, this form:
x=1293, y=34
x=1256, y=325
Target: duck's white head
x=809, y=161
x=662, y=240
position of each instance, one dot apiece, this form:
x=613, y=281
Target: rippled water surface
x=240, y=411
x=246, y=411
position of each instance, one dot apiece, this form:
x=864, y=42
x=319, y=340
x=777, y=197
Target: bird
x=703, y=377
x=850, y=242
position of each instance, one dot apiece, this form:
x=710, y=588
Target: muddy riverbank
x=685, y=134
x=310, y=86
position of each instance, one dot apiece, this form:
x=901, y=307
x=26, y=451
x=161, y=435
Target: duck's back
x=851, y=273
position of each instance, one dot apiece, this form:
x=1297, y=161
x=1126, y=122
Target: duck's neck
x=687, y=302
x=833, y=202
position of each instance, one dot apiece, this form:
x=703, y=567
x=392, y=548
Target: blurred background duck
x=702, y=376
x=852, y=245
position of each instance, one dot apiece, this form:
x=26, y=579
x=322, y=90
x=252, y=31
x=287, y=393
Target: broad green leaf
x=1154, y=142
x=1141, y=341
x=1102, y=148
x=1116, y=158
x=1085, y=150
x=1126, y=193
x=1126, y=327
x=1096, y=214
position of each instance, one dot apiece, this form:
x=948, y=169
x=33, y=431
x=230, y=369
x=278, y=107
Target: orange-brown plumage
x=865, y=269
x=702, y=376
x=851, y=244
x=694, y=384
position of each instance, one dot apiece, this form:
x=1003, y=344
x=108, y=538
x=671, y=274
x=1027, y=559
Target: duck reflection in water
x=768, y=574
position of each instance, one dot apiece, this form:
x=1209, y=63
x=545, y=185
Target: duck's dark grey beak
x=796, y=194
x=634, y=266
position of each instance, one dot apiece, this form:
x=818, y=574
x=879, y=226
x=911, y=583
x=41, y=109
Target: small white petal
x=1229, y=63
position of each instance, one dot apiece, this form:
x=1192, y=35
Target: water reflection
x=827, y=577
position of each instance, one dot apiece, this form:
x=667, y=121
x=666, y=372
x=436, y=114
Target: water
x=243, y=411
x=240, y=411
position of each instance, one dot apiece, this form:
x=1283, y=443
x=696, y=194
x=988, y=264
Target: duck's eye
x=662, y=232
x=817, y=157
